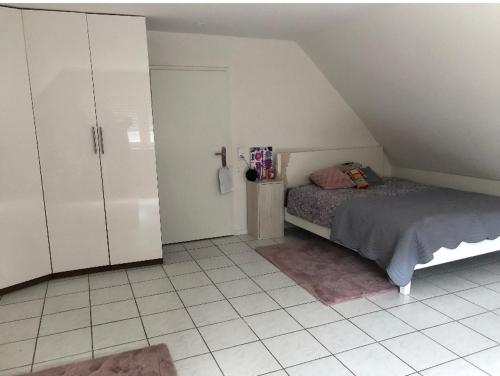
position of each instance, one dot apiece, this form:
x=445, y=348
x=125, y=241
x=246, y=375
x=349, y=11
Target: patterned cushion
x=357, y=176
x=331, y=178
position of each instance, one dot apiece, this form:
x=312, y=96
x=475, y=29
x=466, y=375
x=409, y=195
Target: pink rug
x=149, y=361
x=333, y=274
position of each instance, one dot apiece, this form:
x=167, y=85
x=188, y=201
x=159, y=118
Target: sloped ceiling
x=425, y=79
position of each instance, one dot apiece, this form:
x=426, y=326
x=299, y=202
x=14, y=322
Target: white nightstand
x=265, y=208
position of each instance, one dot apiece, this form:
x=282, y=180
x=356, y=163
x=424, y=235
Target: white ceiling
x=278, y=21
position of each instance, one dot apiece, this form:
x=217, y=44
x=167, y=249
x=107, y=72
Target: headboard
x=295, y=167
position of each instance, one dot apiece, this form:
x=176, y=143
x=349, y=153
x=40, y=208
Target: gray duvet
x=399, y=224
x=403, y=231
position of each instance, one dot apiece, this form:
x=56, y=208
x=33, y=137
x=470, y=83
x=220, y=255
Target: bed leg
x=405, y=290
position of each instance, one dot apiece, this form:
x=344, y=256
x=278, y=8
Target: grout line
x=137, y=307
x=39, y=326
x=91, y=326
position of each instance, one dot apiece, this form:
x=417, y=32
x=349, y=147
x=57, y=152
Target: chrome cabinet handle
x=101, y=139
x=94, y=142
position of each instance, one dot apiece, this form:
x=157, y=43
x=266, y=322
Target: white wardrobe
x=86, y=105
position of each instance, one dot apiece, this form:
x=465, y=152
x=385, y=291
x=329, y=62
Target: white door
x=24, y=249
x=191, y=118
x=123, y=102
x=63, y=100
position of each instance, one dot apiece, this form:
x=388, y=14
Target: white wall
x=424, y=78
x=278, y=96
x=464, y=183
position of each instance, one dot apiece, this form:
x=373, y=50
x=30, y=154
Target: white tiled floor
x=222, y=309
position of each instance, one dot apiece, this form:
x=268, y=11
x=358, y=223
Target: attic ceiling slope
x=425, y=79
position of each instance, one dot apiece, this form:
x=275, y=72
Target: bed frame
x=294, y=168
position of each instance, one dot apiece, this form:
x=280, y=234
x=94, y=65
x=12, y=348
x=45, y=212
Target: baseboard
x=72, y=273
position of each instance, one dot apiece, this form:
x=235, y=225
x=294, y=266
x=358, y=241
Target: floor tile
x=226, y=240
x=493, y=267
x=340, y=336
x=480, y=275
x=200, y=295
x=494, y=286
x=197, y=244
x=17, y=371
x=153, y=287
x=111, y=294
x=457, y=367
x=231, y=249
x=116, y=311
x=19, y=311
x=187, y=281
x=67, y=285
x=246, y=360
x=145, y=273
x=254, y=269
x=374, y=360
x=63, y=344
x=454, y=306
x=482, y=296
x=181, y=268
x=270, y=324
x=66, y=302
x=116, y=333
x=201, y=365
x=488, y=361
x=295, y=348
x=227, y=334
x=121, y=348
x=277, y=373
x=274, y=281
x=212, y=313
x=29, y=293
x=252, y=304
x=108, y=279
x=458, y=338
x=182, y=344
x=167, y=322
x=215, y=262
x=260, y=243
x=19, y=330
x=381, y=325
x=64, y=321
x=230, y=273
x=487, y=324
x=313, y=314
x=245, y=257
x=158, y=303
x=328, y=366
x=421, y=289
x=177, y=257
x=175, y=247
x=61, y=361
x=451, y=282
x=391, y=299
x=418, y=351
x=238, y=287
x=419, y=315
x=246, y=237
x=16, y=354
x=290, y=296
x=203, y=253
x=355, y=307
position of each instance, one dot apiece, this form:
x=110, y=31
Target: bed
x=335, y=215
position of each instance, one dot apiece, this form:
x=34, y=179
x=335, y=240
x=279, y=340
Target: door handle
x=222, y=154
x=101, y=140
x=94, y=142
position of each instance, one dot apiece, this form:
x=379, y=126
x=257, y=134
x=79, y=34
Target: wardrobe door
x=123, y=103
x=61, y=83
x=24, y=250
